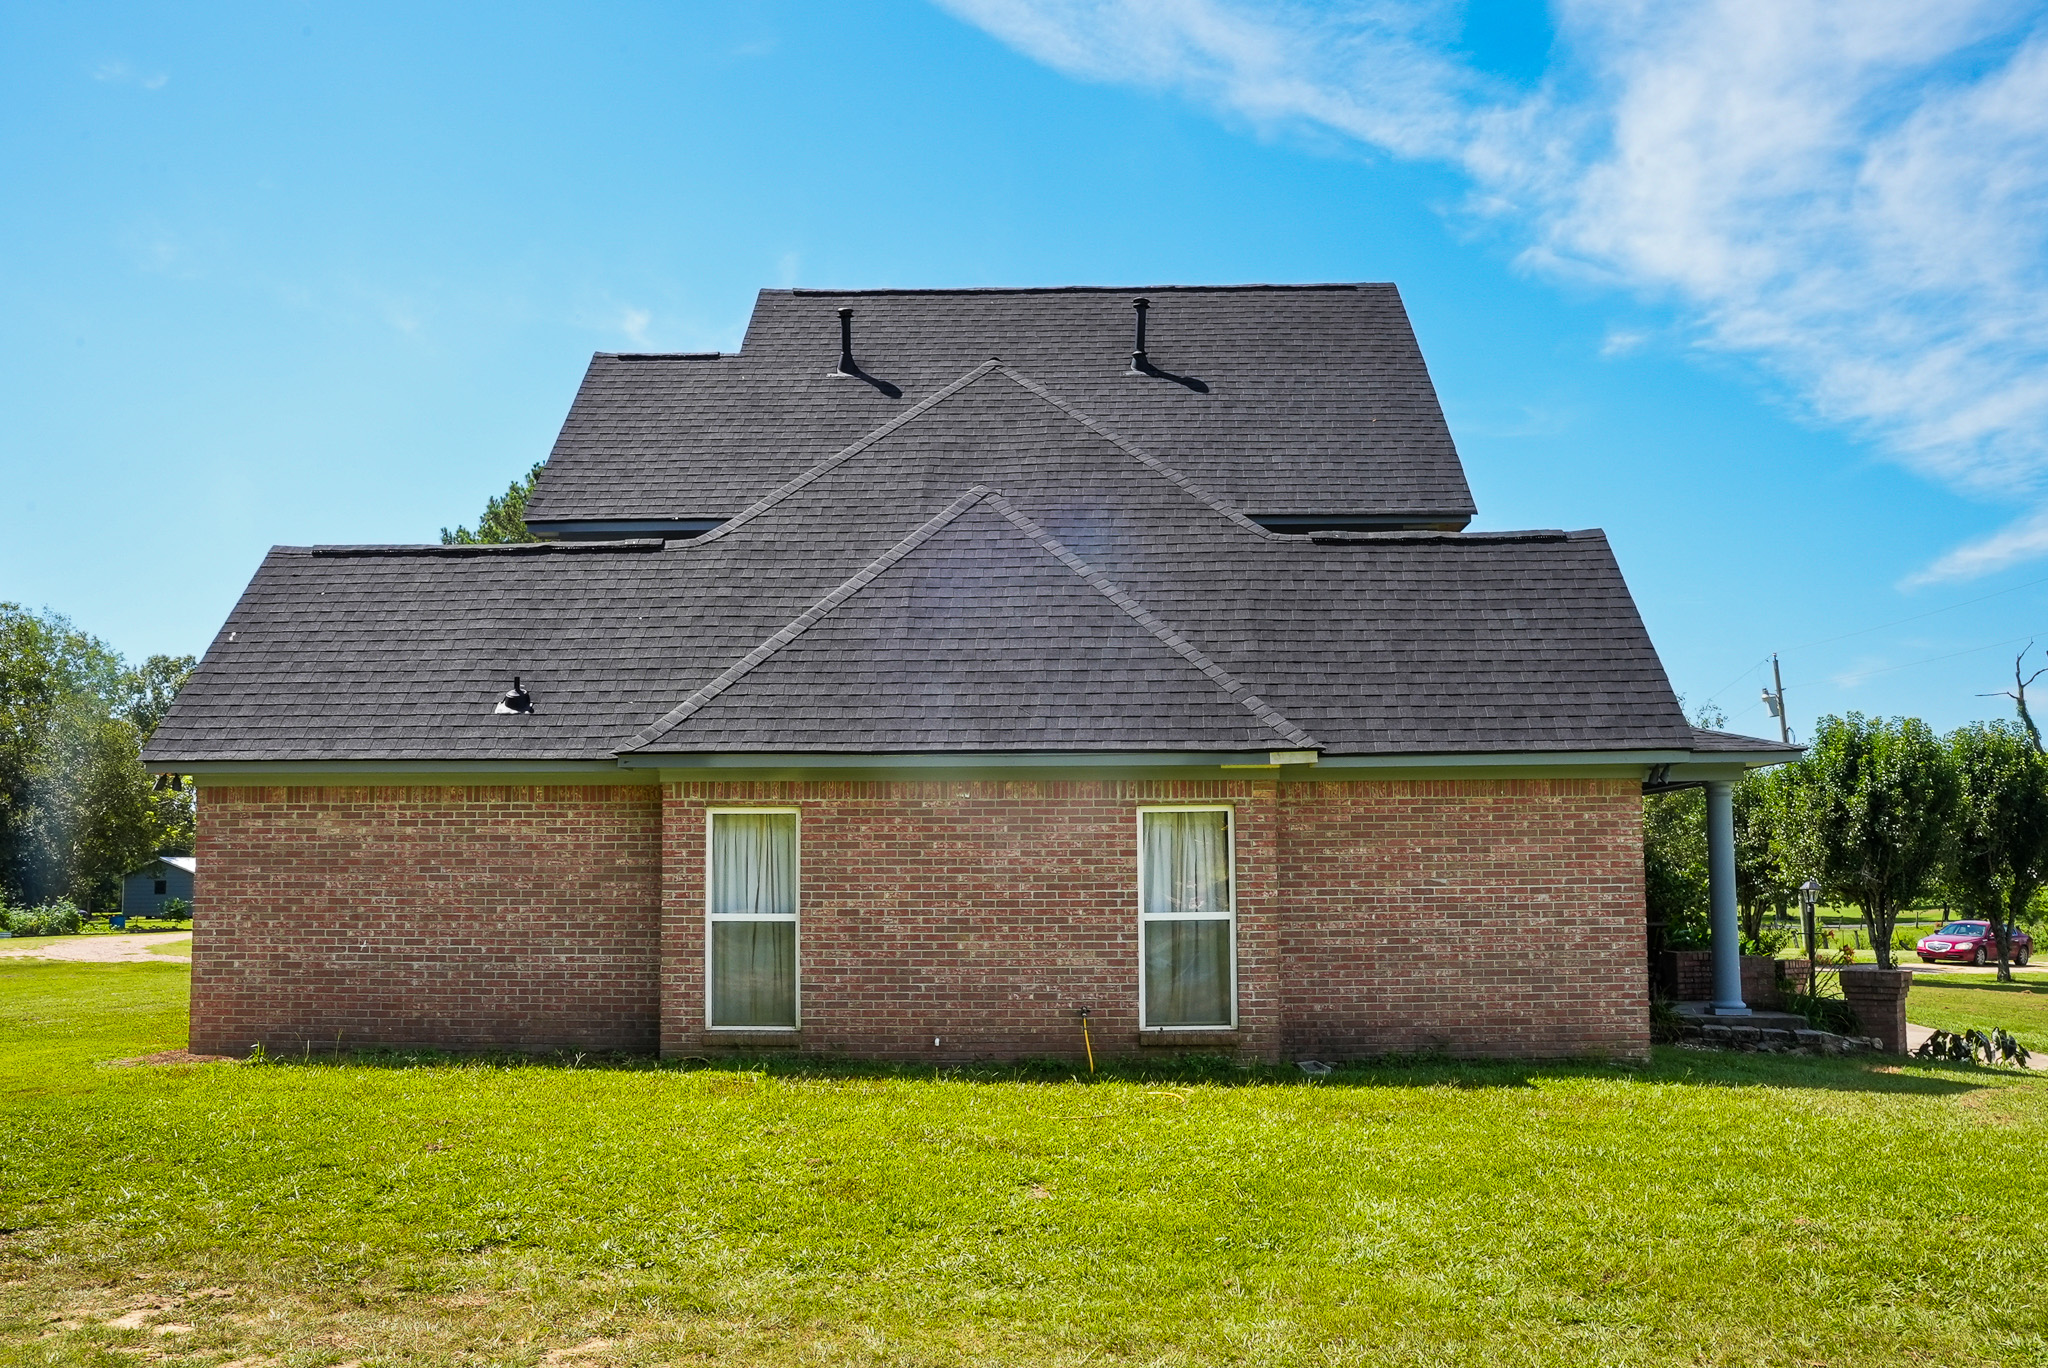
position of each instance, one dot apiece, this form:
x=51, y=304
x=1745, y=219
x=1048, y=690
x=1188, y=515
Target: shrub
x=1902, y=939
x=177, y=909
x=58, y=918
x=1769, y=940
x=1824, y=1013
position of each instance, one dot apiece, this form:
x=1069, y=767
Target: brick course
x=462, y=917
x=1478, y=916
x=1496, y=917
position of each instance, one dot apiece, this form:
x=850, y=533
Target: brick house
x=937, y=666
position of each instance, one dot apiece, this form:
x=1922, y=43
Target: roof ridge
x=1137, y=453
x=805, y=620
x=1242, y=286
x=611, y=547
x=1138, y=613
x=791, y=486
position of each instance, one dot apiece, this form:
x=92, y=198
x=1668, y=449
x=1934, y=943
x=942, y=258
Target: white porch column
x=1726, y=935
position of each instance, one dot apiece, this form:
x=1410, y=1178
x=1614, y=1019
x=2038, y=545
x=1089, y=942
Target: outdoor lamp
x=1809, y=894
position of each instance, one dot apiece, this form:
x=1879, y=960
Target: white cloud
x=1854, y=196
x=116, y=72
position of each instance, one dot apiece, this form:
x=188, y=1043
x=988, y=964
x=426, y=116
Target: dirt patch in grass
x=171, y=1057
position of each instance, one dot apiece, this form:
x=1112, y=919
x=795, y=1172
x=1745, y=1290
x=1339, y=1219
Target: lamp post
x=1809, y=894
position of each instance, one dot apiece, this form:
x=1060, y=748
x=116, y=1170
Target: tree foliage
x=1764, y=880
x=504, y=516
x=1997, y=855
x=77, y=808
x=1869, y=813
x=1675, y=868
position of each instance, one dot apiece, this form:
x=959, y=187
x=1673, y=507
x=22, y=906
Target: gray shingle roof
x=1283, y=400
x=999, y=571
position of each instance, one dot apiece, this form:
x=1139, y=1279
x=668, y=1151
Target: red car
x=1972, y=942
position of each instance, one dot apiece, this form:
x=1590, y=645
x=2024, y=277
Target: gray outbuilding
x=144, y=892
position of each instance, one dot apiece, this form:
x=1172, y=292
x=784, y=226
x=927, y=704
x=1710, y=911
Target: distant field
x=1710, y=1209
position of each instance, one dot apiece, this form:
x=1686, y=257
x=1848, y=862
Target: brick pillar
x=1258, y=923
x=1878, y=997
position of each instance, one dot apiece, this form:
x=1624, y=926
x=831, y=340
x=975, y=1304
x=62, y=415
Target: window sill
x=1184, y=1037
x=770, y=1037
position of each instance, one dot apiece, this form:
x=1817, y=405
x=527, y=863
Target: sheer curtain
x=753, y=919
x=1187, y=919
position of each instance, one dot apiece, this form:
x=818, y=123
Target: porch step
x=1703, y=1013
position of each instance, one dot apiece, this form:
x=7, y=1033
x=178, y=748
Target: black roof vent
x=1140, y=363
x=846, y=366
x=517, y=700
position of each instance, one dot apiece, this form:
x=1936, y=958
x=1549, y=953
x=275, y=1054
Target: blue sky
x=1760, y=292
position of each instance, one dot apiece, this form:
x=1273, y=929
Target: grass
x=1705, y=1208
x=1956, y=1002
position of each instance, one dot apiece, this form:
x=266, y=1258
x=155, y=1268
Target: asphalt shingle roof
x=998, y=571
x=1282, y=400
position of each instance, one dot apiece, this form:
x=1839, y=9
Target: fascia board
x=229, y=773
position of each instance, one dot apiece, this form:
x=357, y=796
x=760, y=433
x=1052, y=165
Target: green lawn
x=1705, y=1209
x=1956, y=1002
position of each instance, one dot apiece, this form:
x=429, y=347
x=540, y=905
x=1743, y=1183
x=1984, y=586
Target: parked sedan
x=1971, y=942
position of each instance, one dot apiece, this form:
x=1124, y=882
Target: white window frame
x=711, y=815
x=1230, y=841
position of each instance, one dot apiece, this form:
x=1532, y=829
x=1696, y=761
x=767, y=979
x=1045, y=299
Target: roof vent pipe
x=1139, y=362
x=846, y=366
x=517, y=700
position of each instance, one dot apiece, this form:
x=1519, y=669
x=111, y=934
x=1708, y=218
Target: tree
x=1675, y=867
x=1997, y=855
x=152, y=686
x=77, y=808
x=504, y=518
x=1868, y=815
x=94, y=816
x=1762, y=878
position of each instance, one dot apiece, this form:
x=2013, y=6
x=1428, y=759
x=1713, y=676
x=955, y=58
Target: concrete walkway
x=134, y=949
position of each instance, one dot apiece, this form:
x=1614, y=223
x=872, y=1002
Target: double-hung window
x=751, y=920
x=1187, y=918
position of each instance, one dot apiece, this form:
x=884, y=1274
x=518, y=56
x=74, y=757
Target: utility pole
x=1775, y=701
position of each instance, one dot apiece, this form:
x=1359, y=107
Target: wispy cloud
x=115, y=72
x=1853, y=196
x=612, y=318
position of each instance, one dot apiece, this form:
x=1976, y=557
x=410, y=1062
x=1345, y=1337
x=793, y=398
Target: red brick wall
x=1488, y=916
x=982, y=914
x=460, y=917
x=1470, y=916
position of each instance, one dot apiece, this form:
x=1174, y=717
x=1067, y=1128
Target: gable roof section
x=1283, y=400
x=992, y=569
x=976, y=632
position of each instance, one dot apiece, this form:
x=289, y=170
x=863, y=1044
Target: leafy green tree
x=1868, y=815
x=95, y=817
x=77, y=807
x=1763, y=881
x=504, y=518
x=1675, y=867
x=1675, y=882
x=45, y=664
x=1997, y=855
x=151, y=687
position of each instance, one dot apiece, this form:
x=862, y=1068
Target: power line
x=1749, y=670
x=1900, y=622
